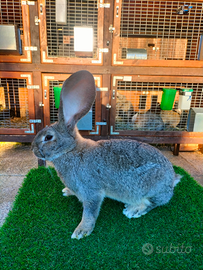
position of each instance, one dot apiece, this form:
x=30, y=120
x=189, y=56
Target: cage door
x=15, y=28
x=17, y=110
x=158, y=33
x=153, y=104
x=72, y=34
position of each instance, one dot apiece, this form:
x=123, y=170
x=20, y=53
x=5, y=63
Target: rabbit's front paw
x=67, y=192
x=81, y=232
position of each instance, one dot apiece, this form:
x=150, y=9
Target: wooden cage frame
x=106, y=69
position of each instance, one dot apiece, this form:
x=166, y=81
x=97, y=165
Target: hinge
x=30, y=48
x=111, y=28
x=29, y=3
x=37, y=20
x=104, y=5
x=105, y=89
x=104, y=50
x=33, y=87
x=35, y=121
x=112, y=132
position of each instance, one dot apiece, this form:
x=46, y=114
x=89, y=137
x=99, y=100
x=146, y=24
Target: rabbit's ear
x=77, y=96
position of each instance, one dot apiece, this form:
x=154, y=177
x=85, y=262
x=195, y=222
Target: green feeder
x=57, y=92
x=168, y=98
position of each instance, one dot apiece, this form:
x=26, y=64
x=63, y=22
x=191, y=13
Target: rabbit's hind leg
x=137, y=210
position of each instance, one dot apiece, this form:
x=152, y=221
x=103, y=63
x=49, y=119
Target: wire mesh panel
x=14, y=109
x=159, y=30
x=11, y=13
x=139, y=105
x=59, y=41
x=60, y=38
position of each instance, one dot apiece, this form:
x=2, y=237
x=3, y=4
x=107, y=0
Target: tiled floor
x=17, y=159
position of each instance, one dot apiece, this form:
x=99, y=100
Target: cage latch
x=111, y=28
x=37, y=20
x=108, y=106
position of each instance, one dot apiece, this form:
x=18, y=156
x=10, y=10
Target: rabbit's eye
x=48, y=137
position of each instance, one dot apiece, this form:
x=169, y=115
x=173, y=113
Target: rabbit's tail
x=177, y=179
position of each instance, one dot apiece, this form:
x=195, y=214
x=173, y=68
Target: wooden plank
x=104, y=101
x=37, y=80
x=2, y=99
x=23, y=95
x=46, y=98
x=17, y=138
x=172, y=1
x=13, y=131
x=120, y=70
x=160, y=63
x=152, y=140
x=170, y=134
x=34, y=33
x=108, y=37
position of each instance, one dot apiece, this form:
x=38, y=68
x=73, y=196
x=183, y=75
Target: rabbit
x=124, y=108
x=170, y=118
x=131, y=172
x=147, y=121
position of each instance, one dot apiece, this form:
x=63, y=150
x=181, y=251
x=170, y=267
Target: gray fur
x=129, y=171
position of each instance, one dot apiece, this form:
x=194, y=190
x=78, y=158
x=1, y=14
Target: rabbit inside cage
x=140, y=110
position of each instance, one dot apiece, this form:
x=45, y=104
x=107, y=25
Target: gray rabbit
x=129, y=171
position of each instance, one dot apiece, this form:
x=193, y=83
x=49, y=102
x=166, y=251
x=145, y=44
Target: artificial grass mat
x=37, y=232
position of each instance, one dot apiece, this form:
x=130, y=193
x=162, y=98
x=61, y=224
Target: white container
x=185, y=97
x=195, y=120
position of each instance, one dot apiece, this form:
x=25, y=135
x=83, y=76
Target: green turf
x=37, y=232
